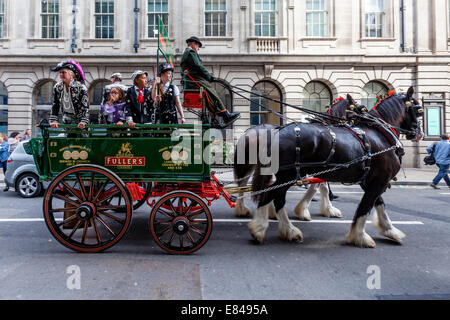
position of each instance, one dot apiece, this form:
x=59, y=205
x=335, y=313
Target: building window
x=375, y=18
x=316, y=96
x=104, y=19
x=96, y=98
x=2, y=18
x=3, y=109
x=157, y=8
x=50, y=19
x=43, y=100
x=259, y=105
x=370, y=93
x=316, y=18
x=215, y=18
x=265, y=18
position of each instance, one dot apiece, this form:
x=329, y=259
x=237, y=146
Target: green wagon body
x=147, y=153
x=97, y=175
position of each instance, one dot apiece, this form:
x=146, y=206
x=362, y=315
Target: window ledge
x=46, y=40
x=377, y=39
x=112, y=43
x=217, y=38
x=93, y=40
x=318, y=39
x=267, y=38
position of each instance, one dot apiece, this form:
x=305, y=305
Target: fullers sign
x=124, y=162
x=124, y=158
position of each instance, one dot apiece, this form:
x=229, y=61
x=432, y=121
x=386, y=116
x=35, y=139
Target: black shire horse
x=309, y=148
x=243, y=171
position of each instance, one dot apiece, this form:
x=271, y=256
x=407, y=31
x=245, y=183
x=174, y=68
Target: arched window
x=3, y=108
x=370, y=92
x=42, y=102
x=259, y=106
x=316, y=96
x=96, y=98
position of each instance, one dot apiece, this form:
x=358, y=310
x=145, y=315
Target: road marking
x=445, y=193
x=316, y=221
x=335, y=192
x=241, y=221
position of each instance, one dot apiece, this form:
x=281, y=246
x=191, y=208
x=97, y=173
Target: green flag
x=164, y=42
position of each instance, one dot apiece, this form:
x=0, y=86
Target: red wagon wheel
x=181, y=222
x=78, y=212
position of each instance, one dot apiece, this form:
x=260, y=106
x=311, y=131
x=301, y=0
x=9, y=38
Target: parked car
x=22, y=174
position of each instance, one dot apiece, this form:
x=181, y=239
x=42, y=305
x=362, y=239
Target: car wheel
x=28, y=185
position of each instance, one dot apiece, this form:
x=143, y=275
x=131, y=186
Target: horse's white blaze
x=357, y=235
x=260, y=222
x=384, y=225
x=326, y=208
x=286, y=229
x=301, y=209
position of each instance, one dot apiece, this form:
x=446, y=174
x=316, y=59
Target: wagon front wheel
x=78, y=212
x=181, y=222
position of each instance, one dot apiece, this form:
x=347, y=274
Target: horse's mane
x=338, y=107
x=389, y=107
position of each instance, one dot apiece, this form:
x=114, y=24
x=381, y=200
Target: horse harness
x=359, y=134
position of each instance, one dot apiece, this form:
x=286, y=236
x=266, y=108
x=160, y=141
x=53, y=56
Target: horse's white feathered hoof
x=241, y=210
x=331, y=212
x=302, y=212
x=292, y=234
x=394, y=234
x=362, y=240
x=257, y=231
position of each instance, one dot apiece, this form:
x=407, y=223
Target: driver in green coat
x=195, y=75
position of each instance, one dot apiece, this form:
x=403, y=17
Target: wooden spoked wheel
x=181, y=222
x=78, y=211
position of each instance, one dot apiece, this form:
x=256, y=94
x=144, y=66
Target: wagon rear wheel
x=181, y=222
x=78, y=212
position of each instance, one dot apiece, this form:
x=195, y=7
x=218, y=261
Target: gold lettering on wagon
x=73, y=155
x=175, y=158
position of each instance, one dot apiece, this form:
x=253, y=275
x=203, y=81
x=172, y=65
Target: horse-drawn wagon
x=99, y=175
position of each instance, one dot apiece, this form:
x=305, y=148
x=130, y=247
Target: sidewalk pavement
x=408, y=176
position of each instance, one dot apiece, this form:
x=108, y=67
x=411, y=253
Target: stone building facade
x=303, y=52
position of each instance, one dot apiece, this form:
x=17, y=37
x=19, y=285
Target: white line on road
x=240, y=221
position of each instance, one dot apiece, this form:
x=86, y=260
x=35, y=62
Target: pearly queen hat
x=73, y=66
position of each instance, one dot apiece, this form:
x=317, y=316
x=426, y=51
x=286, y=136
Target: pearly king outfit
x=73, y=102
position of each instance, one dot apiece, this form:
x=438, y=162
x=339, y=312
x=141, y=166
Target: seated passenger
x=116, y=80
x=195, y=75
x=139, y=103
x=70, y=96
x=167, y=95
x=113, y=111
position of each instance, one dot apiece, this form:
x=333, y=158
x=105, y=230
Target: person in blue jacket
x=442, y=157
x=4, y=153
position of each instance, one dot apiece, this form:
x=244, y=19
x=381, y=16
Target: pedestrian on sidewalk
x=13, y=141
x=26, y=135
x=442, y=157
x=4, y=153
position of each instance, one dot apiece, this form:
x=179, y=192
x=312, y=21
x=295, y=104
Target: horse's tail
x=242, y=166
x=259, y=182
x=246, y=154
